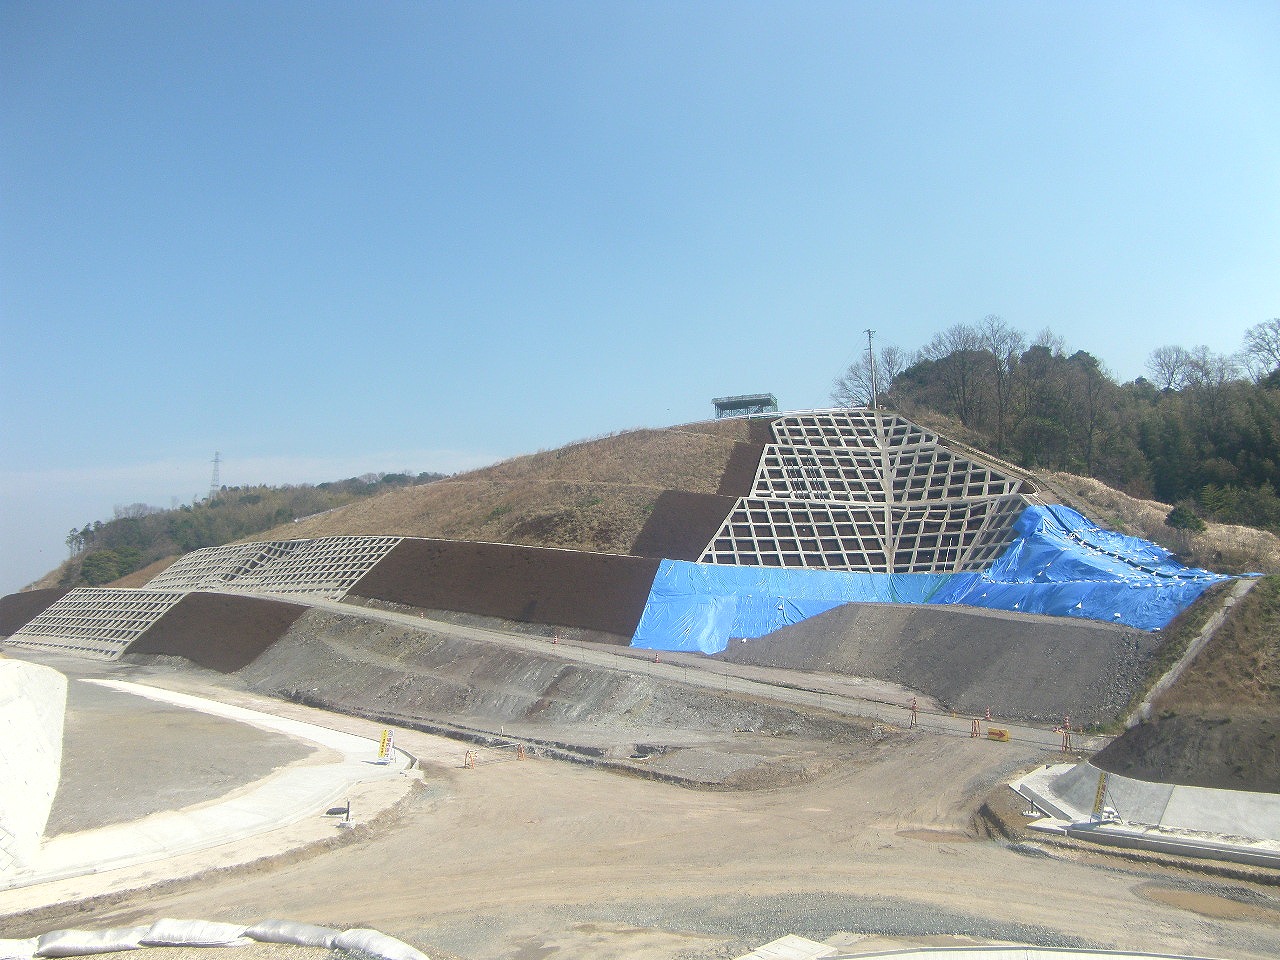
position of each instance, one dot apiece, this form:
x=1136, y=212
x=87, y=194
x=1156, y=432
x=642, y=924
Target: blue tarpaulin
x=1059, y=564
x=699, y=606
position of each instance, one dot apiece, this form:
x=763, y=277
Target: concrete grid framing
x=96, y=621
x=866, y=491
x=327, y=567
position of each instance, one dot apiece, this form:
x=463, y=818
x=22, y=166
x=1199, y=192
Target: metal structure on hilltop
x=747, y=405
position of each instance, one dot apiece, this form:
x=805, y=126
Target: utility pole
x=871, y=359
x=216, y=482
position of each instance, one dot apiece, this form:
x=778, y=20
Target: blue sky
x=325, y=239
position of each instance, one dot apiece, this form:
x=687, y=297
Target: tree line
x=139, y=534
x=1201, y=430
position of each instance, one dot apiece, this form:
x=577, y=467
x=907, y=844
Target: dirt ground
x=162, y=757
x=542, y=859
x=545, y=859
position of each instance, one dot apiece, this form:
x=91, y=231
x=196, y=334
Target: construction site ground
x=852, y=829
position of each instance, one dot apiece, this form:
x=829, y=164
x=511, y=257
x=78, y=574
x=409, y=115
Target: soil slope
x=19, y=609
x=1022, y=667
x=1219, y=725
x=434, y=676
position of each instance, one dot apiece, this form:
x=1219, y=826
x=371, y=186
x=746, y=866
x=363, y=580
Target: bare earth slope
x=434, y=675
x=1219, y=725
x=1022, y=667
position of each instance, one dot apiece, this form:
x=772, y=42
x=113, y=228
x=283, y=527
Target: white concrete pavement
x=289, y=804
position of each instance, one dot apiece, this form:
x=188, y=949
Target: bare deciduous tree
x=1170, y=367
x=1005, y=344
x=1262, y=348
x=853, y=387
x=960, y=357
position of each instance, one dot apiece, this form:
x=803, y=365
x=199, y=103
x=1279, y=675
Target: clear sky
x=326, y=239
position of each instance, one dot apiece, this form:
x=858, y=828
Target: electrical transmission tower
x=216, y=482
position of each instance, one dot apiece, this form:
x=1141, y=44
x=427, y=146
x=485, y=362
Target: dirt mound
x=559, y=587
x=218, y=631
x=1231, y=753
x=1022, y=667
x=19, y=609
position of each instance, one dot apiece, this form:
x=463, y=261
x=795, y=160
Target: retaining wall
x=33, y=701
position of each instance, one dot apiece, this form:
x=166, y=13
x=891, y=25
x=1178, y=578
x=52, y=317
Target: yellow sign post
x=386, y=747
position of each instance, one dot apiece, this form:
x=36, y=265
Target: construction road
x=844, y=696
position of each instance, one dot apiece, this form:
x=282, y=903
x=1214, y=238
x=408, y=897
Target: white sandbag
x=195, y=933
x=377, y=944
x=17, y=949
x=79, y=943
x=291, y=931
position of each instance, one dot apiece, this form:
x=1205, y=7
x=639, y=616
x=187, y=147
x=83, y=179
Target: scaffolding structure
x=866, y=491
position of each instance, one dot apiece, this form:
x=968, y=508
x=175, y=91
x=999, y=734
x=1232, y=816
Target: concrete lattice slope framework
x=325, y=568
x=96, y=621
x=103, y=622
x=865, y=491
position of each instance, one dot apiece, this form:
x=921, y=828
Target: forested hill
x=140, y=535
x=1201, y=430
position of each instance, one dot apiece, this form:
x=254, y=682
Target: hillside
x=599, y=495
x=596, y=495
x=1219, y=725
x=141, y=540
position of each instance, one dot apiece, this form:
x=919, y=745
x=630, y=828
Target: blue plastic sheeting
x=1062, y=565
x=699, y=606
x=1059, y=564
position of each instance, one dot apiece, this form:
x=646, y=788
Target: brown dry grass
x=571, y=497
x=1223, y=547
x=51, y=579
x=1238, y=672
x=140, y=578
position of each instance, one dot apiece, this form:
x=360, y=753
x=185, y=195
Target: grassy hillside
x=595, y=495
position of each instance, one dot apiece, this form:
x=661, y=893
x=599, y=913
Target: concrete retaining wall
x=1235, y=813
x=33, y=701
